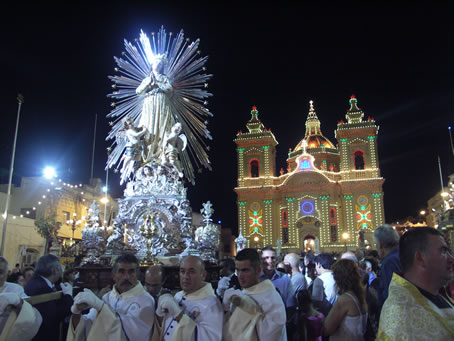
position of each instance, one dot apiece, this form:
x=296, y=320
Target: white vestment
x=13, y=287
x=202, y=319
x=125, y=316
x=21, y=327
x=266, y=323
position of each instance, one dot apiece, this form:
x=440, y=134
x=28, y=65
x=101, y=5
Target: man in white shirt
x=195, y=313
x=257, y=312
x=324, y=288
x=124, y=313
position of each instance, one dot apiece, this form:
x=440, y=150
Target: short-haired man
x=324, y=287
x=195, y=313
x=414, y=309
x=258, y=312
x=28, y=274
x=124, y=313
x=24, y=324
x=387, y=242
x=297, y=278
x=48, y=272
x=280, y=280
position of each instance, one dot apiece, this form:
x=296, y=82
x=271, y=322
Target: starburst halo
x=186, y=72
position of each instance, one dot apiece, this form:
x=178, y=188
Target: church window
x=254, y=168
x=284, y=219
x=332, y=216
x=359, y=159
x=333, y=233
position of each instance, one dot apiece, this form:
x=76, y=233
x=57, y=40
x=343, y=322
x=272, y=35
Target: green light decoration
x=376, y=195
x=240, y=149
x=371, y=137
x=348, y=197
x=241, y=203
x=267, y=202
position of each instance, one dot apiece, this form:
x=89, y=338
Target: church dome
x=313, y=136
x=315, y=141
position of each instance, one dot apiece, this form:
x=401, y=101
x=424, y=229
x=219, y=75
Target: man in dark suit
x=48, y=272
x=228, y=277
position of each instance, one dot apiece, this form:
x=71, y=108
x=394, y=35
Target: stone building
x=331, y=196
x=37, y=197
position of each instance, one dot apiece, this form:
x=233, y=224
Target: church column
x=345, y=167
x=268, y=223
x=378, y=208
x=349, y=218
x=242, y=219
x=240, y=167
x=324, y=217
x=373, y=155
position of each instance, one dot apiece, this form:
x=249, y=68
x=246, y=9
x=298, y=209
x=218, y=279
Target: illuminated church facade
x=330, y=198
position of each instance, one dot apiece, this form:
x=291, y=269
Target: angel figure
x=133, y=150
x=174, y=144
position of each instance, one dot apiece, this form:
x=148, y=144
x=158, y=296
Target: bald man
x=154, y=279
x=194, y=313
x=298, y=280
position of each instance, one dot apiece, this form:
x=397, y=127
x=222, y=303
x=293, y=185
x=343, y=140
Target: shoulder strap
x=356, y=303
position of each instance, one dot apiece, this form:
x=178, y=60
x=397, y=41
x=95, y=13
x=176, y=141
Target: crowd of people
x=398, y=292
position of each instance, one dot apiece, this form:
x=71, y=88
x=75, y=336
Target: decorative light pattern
x=255, y=222
x=307, y=207
x=363, y=217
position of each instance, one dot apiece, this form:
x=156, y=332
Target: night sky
x=397, y=61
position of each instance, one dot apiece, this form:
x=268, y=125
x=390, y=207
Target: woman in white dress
x=348, y=316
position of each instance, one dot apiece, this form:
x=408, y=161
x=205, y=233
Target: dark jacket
x=52, y=312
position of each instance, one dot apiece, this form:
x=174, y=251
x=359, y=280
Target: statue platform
x=96, y=277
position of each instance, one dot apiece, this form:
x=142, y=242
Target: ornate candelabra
x=149, y=229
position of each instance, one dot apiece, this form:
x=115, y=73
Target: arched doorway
x=309, y=243
x=309, y=234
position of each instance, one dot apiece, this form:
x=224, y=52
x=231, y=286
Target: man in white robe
x=22, y=321
x=257, y=312
x=124, y=313
x=415, y=309
x=195, y=313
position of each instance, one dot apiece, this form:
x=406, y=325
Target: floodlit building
x=37, y=197
x=331, y=196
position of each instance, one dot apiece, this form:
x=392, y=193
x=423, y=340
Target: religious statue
x=156, y=113
x=161, y=86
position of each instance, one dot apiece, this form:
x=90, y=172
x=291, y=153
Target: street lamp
x=345, y=236
x=75, y=223
x=256, y=240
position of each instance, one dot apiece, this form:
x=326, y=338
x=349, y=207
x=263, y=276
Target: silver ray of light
x=185, y=70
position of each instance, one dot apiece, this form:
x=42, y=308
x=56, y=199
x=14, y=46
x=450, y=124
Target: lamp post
x=345, y=236
x=20, y=100
x=75, y=223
